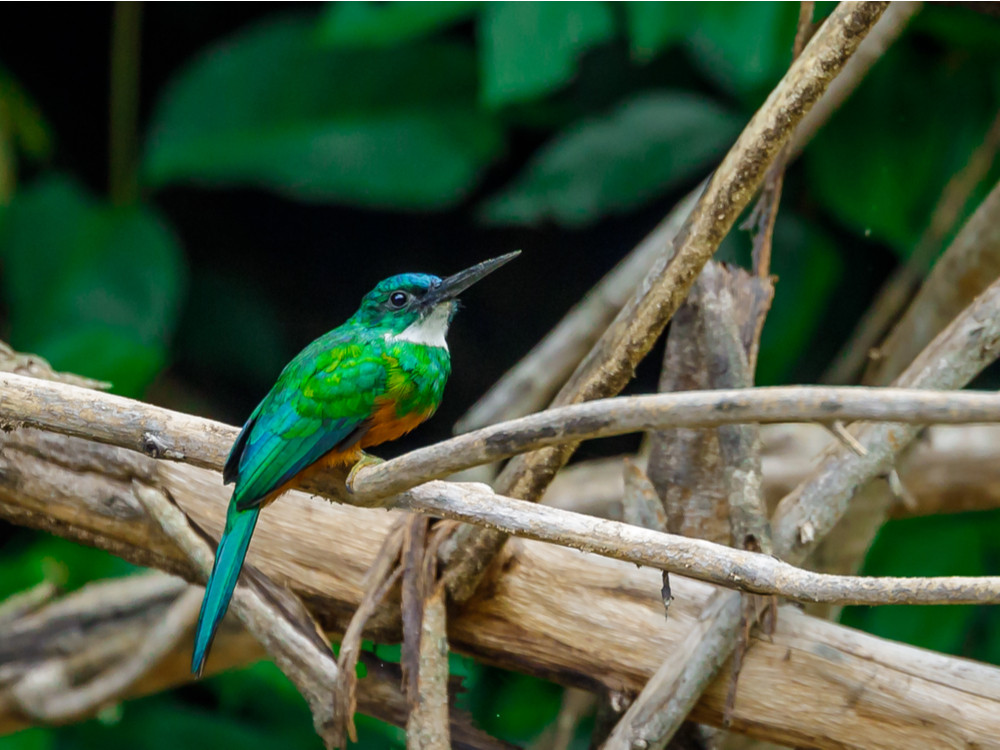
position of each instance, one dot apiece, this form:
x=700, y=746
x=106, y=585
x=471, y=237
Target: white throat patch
x=429, y=330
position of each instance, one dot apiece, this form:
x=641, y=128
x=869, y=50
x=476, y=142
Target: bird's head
x=418, y=307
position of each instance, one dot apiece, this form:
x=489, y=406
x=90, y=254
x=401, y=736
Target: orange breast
x=386, y=425
x=330, y=460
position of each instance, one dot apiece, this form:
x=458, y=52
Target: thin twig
x=732, y=568
x=617, y=416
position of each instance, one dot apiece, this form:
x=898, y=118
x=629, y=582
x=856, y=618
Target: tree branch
x=577, y=619
x=477, y=504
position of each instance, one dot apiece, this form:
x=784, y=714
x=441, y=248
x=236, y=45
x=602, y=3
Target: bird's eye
x=398, y=300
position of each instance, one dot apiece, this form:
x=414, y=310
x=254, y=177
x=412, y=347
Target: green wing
x=321, y=402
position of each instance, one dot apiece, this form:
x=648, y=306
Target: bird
x=369, y=381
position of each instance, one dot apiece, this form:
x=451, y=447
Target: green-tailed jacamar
x=372, y=379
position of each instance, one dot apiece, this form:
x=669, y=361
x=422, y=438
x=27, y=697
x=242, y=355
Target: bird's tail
x=219, y=590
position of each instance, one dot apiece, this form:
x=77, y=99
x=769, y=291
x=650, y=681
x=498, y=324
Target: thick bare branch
x=950, y=469
x=201, y=442
x=688, y=409
x=48, y=694
x=477, y=504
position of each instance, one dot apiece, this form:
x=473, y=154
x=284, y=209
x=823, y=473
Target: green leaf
x=745, y=47
x=881, y=163
x=94, y=289
x=273, y=107
x=531, y=48
x=513, y=707
x=29, y=739
x=932, y=546
x=614, y=163
x=21, y=115
x=371, y=24
x=655, y=26
x=961, y=28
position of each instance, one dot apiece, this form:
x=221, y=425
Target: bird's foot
x=366, y=459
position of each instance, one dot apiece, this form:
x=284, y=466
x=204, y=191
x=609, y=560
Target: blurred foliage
x=436, y=130
x=92, y=288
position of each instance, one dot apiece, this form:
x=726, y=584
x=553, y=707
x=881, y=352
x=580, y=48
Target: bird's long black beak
x=454, y=285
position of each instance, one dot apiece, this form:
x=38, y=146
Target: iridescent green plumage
x=370, y=380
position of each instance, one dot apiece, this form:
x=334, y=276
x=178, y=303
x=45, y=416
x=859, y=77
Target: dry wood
x=612, y=361
x=380, y=578
x=427, y=727
x=201, y=442
x=682, y=678
x=26, y=602
x=607, y=417
x=479, y=505
x=287, y=631
x=949, y=469
x=48, y=693
x=577, y=619
x=970, y=262
x=685, y=462
x=711, y=344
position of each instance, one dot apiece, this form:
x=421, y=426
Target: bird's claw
x=366, y=460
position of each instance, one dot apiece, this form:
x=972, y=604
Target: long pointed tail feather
x=226, y=571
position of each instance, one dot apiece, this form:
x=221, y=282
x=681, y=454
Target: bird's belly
x=387, y=425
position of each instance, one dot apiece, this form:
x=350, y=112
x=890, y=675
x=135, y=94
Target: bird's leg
x=367, y=459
